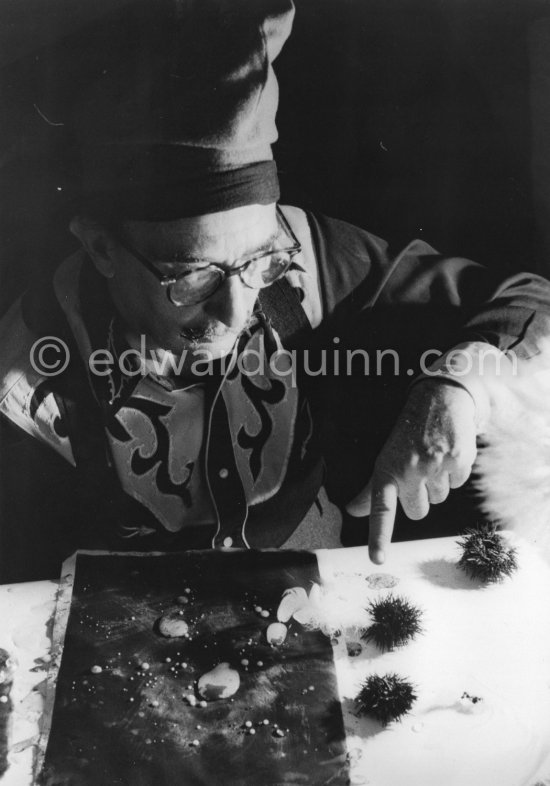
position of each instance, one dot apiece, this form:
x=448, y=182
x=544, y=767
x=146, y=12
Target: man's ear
x=97, y=242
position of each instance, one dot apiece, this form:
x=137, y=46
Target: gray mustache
x=214, y=331
x=196, y=334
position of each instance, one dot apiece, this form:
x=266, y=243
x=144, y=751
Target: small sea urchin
x=385, y=698
x=486, y=556
x=396, y=621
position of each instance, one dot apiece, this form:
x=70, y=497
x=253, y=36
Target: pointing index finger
x=382, y=517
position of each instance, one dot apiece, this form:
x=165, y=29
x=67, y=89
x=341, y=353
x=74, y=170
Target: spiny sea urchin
x=396, y=621
x=486, y=555
x=385, y=698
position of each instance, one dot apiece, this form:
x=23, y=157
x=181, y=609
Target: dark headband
x=197, y=194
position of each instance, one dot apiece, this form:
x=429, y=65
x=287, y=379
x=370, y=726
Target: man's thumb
x=360, y=505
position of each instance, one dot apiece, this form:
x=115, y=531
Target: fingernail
x=377, y=556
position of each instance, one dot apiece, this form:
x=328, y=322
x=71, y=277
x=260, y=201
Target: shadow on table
x=446, y=573
x=366, y=727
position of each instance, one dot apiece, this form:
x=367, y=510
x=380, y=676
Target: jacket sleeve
x=360, y=272
x=391, y=309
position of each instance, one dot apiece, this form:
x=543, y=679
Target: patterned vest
x=230, y=462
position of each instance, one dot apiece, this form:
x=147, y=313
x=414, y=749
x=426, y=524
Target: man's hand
x=431, y=450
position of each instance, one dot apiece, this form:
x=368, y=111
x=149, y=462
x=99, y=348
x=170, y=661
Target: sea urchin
x=395, y=622
x=385, y=698
x=486, y=555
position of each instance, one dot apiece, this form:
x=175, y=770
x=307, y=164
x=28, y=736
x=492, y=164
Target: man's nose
x=231, y=303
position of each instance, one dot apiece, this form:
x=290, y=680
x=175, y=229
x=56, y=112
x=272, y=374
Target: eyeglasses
x=200, y=278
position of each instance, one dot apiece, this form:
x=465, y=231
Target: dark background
x=411, y=118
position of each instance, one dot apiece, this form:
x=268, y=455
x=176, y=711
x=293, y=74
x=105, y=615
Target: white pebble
x=219, y=683
x=96, y=669
x=276, y=633
x=172, y=625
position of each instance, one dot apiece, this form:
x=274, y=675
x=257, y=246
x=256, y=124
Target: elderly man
x=164, y=386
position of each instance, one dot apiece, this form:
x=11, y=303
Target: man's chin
x=209, y=352
x=210, y=348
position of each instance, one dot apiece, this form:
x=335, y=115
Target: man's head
x=172, y=131
x=219, y=261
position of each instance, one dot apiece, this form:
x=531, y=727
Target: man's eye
x=178, y=268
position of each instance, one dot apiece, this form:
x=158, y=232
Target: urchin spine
x=395, y=622
x=386, y=699
x=486, y=555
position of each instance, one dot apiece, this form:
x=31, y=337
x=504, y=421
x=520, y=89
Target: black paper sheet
x=130, y=720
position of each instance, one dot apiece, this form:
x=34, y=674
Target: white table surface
x=426, y=574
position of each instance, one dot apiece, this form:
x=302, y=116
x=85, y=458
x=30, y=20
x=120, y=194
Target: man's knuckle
x=416, y=513
x=380, y=508
x=460, y=476
x=433, y=454
x=436, y=449
x=455, y=453
x=437, y=495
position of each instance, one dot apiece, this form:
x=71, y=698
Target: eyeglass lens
x=200, y=284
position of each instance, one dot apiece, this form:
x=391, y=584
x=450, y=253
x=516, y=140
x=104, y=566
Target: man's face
x=209, y=326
